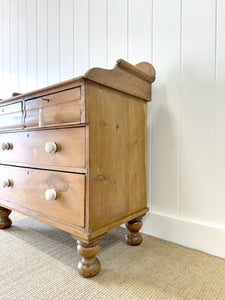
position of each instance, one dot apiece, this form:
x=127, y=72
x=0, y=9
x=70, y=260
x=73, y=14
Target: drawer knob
x=5, y=183
x=50, y=194
x=5, y=146
x=50, y=147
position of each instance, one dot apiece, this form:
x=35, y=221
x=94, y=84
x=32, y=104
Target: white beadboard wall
x=46, y=41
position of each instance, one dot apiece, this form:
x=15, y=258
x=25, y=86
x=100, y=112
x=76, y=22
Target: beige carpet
x=38, y=261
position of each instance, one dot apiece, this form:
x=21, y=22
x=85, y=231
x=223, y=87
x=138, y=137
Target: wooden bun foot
x=89, y=265
x=134, y=238
x=5, y=221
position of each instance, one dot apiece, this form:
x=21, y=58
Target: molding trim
x=201, y=237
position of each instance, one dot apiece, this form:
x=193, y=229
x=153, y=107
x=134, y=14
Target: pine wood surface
x=27, y=190
x=27, y=148
x=98, y=123
x=11, y=116
x=5, y=221
x=117, y=130
x=58, y=108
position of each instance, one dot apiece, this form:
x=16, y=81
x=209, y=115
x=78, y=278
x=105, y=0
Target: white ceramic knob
x=50, y=147
x=50, y=194
x=5, y=182
x=5, y=146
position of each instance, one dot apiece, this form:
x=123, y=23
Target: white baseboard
x=196, y=236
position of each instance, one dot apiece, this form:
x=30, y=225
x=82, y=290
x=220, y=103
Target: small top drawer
x=58, y=108
x=11, y=116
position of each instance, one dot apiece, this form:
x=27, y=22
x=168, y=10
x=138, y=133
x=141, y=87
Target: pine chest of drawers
x=73, y=155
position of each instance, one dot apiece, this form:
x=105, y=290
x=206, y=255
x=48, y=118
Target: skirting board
x=193, y=235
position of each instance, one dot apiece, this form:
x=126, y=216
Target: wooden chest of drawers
x=73, y=155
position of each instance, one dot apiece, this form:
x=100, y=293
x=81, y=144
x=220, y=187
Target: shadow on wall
x=163, y=130
x=182, y=144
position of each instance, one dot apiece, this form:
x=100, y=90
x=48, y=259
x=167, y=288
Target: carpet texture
x=38, y=261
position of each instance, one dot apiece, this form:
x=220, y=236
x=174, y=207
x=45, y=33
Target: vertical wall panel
x=220, y=119
x=1, y=50
x=66, y=39
x=31, y=45
x=139, y=30
x=46, y=41
x=81, y=37
x=117, y=31
x=42, y=44
x=98, y=40
x=197, y=110
x=14, y=76
x=53, y=42
x=22, y=44
x=166, y=107
x=6, y=47
x=139, y=48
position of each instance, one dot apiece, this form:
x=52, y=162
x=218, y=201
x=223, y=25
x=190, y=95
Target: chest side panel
x=117, y=137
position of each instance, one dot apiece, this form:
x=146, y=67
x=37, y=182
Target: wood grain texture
x=89, y=265
x=11, y=116
x=108, y=151
x=117, y=137
x=5, y=221
x=156, y=40
x=55, y=88
x=126, y=78
x=57, y=108
x=27, y=191
x=28, y=149
x=134, y=238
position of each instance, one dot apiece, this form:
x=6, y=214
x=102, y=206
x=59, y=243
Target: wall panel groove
x=219, y=203
x=198, y=58
x=1, y=50
x=53, y=41
x=166, y=107
x=31, y=45
x=46, y=41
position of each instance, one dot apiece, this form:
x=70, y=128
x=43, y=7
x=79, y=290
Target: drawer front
x=11, y=116
x=28, y=148
x=59, y=108
x=28, y=187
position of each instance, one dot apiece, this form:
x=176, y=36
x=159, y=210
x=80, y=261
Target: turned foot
x=89, y=265
x=134, y=238
x=5, y=222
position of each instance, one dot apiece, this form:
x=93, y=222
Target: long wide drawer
x=11, y=116
x=27, y=191
x=54, y=109
x=28, y=149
